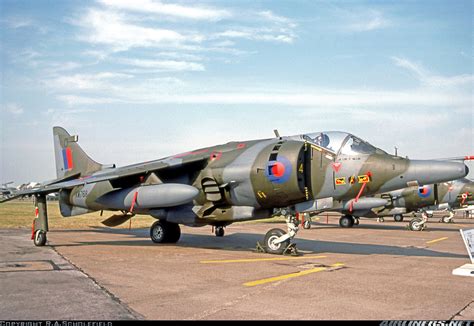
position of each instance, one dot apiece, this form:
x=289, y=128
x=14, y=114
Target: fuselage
x=249, y=179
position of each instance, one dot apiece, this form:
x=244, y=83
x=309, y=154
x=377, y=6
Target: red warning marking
x=278, y=169
x=134, y=200
x=241, y=145
x=336, y=166
x=468, y=158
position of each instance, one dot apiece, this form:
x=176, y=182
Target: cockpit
x=340, y=142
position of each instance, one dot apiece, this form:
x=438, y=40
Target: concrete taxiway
x=372, y=271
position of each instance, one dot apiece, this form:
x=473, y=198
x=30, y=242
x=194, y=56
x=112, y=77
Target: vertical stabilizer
x=71, y=160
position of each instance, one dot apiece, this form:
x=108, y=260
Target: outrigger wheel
x=275, y=248
x=39, y=238
x=165, y=232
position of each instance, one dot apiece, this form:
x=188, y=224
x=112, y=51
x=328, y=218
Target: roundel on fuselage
x=424, y=191
x=278, y=171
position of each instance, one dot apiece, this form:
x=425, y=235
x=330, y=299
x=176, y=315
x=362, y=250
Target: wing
x=119, y=176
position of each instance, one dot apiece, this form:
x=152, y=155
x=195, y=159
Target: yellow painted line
x=287, y=276
x=256, y=260
x=436, y=240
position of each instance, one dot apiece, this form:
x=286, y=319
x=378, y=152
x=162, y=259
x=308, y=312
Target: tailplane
x=71, y=160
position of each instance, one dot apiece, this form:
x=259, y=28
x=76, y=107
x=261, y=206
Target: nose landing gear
x=278, y=242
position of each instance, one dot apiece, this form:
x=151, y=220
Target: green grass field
x=20, y=214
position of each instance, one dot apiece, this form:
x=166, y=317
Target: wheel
x=307, y=225
x=277, y=248
x=398, y=217
x=346, y=221
x=40, y=238
x=219, y=231
x=165, y=232
x=445, y=219
x=416, y=224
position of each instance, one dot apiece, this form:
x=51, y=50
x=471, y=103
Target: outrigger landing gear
x=278, y=242
x=40, y=223
x=448, y=219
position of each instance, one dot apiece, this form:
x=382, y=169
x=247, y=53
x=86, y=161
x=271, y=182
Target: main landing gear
x=398, y=218
x=348, y=221
x=447, y=219
x=165, y=232
x=278, y=242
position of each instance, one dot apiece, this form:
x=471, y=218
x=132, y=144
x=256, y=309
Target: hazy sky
x=143, y=79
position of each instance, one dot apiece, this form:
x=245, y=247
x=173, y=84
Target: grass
x=20, y=214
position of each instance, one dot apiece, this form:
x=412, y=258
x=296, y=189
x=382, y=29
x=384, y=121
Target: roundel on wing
x=424, y=191
x=279, y=171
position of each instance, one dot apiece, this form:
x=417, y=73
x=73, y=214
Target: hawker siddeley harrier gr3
x=237, y=181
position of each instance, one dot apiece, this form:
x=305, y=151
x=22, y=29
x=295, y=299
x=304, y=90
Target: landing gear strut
x=278, y=242
x=448, y=219
x=40, y=224
x=165, y=232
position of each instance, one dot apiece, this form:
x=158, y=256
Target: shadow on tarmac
x=247, y=242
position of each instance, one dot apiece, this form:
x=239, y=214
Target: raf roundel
x=279, y=171
x=424, y=192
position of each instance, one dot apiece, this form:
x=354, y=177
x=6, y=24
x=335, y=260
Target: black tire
x=174, y=233
x=346, y=221
x=40, y=238
x=307, y=225
x=413, y=225
x=398, y=218
x=219, y=231
x=276, y=249
x=165, y=232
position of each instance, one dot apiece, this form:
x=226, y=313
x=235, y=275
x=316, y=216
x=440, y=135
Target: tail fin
x=71, y=160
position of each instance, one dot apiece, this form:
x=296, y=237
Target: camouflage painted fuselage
x=242, y=180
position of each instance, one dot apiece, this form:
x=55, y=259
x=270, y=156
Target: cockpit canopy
x=340, y=142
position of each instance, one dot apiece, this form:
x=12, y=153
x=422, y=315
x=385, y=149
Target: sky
x=140, y=80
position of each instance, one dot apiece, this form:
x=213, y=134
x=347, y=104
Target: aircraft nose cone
x=431, y=171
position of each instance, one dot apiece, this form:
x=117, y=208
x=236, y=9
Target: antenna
x=396, y=150
x=277, y=134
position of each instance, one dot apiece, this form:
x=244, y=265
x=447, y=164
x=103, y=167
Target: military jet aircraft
x=439, y=196
x=233, y=182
